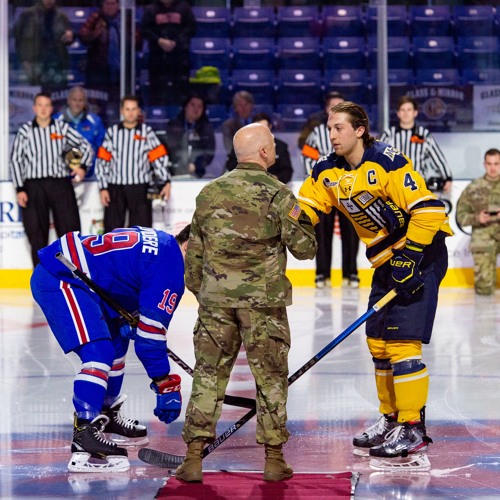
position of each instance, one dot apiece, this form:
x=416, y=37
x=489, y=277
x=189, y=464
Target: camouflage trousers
x=218, y=335
x=485, y=268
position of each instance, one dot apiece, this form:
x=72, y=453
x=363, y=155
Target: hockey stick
x=133, y=321
x=162, y=459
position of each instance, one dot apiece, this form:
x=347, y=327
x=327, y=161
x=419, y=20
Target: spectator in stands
x=129, y=156
x=282, y=167
x=243, y=103
x=81, y=119
x=101, y=34
x=479, y=207
x=331, y=99
x=416, y=142
x=316, y=146
x=191, y=139
x=42, y=34
x=168, y=26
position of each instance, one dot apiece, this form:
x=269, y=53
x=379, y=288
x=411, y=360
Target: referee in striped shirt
x=42, y=178
x=318, y=144
x=419, y=145
x=129, y=155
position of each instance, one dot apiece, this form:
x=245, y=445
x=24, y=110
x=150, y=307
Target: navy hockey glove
x=168, y=399
x=406, y=273
x=127, y=331
x=394, y=217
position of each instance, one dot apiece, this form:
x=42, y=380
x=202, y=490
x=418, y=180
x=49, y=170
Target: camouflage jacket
x=480, y=194
x=243, y=223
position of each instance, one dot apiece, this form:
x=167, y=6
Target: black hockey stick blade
x=160, y=458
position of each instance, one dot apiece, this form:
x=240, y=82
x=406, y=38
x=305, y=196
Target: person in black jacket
x=282, y=169
x=190, y=139
x=168, y=26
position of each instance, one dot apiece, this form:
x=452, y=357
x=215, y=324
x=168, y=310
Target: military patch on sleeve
x=295, y=212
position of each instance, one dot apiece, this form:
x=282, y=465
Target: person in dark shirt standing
x=282, y=168
x=168, y=26
x=191, y=139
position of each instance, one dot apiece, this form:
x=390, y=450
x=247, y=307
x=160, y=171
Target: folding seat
x=77, y=53
x=259, y=82
x=298, y=53
x=399, y=77
x=299, y=86
x=441, y=77
x=77, y=15
x=212, y=21
x=253, y=53
x=427, y=20
x=473, y=20
x=398, y=52
x=254, y=22
x=292, y=117
x=157, y=116
x=217, y=113
x=488, y=76
x=478, y=52
x=211, y=51
x=354, y=84
x=433, y=52
x=342, y=21
x=344, y=52
x=397, y=20
x=298, y=21
x=75, y=77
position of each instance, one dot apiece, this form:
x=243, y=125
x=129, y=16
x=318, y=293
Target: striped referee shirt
x=38, y=152
x=317, y=144
x=127, y=155
x=421, y=147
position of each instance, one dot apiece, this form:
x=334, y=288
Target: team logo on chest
x=364, y=209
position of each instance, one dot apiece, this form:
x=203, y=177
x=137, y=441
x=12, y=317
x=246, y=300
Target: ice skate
x=373, y=435
x=122, y=430
x=403, y=440
x=92, y=452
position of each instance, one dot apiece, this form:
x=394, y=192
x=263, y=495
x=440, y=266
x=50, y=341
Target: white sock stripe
x=116, y=373
x=383, y=373
x=118, y=361
x=95, y=364
x=398, y=379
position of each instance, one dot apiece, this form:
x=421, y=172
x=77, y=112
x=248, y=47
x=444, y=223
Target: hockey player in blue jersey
x=142, y=269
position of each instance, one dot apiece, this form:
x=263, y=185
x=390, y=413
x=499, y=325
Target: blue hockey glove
x=168, y=399
x=406, y=273
x=127, y=331
x=394, y=217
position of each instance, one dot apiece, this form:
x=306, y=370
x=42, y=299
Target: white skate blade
x=417, y=462
x=361, y=452
x=82, y=462
x=128, y=442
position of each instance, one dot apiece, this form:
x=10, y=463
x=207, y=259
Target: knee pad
x=382, y=364
x=100, y=351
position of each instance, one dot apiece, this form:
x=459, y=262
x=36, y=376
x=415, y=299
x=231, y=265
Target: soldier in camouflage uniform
x=243, y=224
x=479, y=207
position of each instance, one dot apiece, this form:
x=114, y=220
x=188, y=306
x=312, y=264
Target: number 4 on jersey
x=409, y=182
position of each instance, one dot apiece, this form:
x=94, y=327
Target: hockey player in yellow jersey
x=404, y=227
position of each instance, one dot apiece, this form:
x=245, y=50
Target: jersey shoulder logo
x=328, y=183
x=391, y=152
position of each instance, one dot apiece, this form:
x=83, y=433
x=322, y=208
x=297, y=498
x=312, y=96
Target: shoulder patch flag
x=295, y=212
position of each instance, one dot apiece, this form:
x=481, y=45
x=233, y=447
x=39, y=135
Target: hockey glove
x=127, y=331
x=406, y=273
x=168, y=399
x=394, y=217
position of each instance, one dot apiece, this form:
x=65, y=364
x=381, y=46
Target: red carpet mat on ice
x=250, y=485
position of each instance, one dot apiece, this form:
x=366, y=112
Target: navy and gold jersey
x=383, y=174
